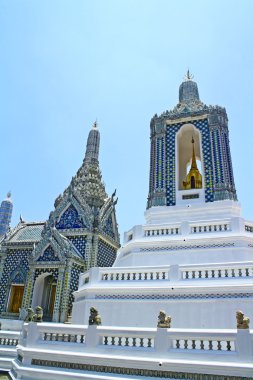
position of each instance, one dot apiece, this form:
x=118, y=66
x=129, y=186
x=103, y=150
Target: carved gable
x=48, y=255
x=70, y=219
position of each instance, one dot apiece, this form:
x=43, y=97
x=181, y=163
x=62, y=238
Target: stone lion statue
x=29, y=315
x=94, y=318
x=38, y=316
x=34, y=316
x=242, y=321
x=164, y=320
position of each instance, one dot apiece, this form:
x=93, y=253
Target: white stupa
x=193, y=257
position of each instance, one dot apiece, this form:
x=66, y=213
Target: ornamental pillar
x=63, y=315
x=58, y=292
x=28, y=292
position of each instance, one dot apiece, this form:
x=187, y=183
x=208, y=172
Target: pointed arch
x=184, y=152
x=16, y=290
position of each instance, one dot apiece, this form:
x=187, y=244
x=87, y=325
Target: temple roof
x=26, y=232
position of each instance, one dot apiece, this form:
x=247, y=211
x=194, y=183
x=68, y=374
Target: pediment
x=54, y=247
x=49, y=254
x=70, y=219
x=72, y=212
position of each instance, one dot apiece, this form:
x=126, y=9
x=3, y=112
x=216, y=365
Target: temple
x=177, y=301
x=41, y=261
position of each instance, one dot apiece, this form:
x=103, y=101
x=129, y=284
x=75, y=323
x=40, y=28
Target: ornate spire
x=92, y=147
x=5, y=214
x=188, y=90
x=88, y=180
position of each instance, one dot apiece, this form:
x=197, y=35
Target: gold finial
x=194, y=163
x=95, y=124
x=188, y=75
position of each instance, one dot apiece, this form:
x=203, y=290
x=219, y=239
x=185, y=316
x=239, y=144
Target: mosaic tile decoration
x=108, y=227
x=76, y=270
x=152, y=167
x=18, y=278
x=174, y=296
x=202, y=126
x=133, y=373
x=106, y=254
x=187, y=247
x=52, y=271
x=223, y=171
x=80, y=244
x=15, y=269
x=160, y=163
x=70, y=219
x=216, y=150
x=171, y=163
x=229, y=160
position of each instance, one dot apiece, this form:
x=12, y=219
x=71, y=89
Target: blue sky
x=66, y=63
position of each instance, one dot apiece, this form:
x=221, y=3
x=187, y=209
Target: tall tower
x=5, y=214
x=171, y=152
x=192, y=257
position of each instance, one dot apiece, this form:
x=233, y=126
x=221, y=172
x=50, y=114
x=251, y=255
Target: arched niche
x=184, y=152
x=44, y=294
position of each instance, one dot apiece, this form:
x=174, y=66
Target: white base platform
x=55, y=351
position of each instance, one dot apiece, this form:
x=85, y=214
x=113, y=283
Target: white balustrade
x=190, y=272
x=127, y=337
x=212, y=272
x=61, y=333
x=9, y=338
x=124, y=338
x=220, y=227
x=113, y=346
x=203, y=342
x=136, y=275
x=162, y=231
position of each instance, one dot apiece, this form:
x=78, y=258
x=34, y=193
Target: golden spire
x=194, y=178
x=194, y=163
